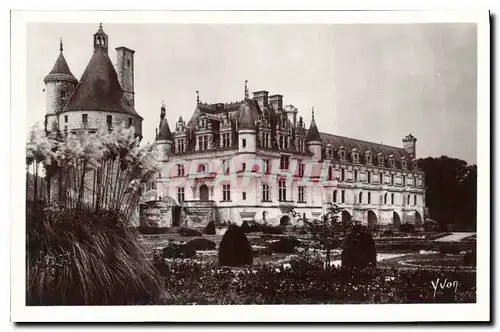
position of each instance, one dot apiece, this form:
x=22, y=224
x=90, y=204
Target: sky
x=375, y=82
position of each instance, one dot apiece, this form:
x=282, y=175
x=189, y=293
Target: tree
x=451, y=193
x=358, y=250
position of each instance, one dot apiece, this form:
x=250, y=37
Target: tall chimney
x=261, y=98
x=276, y=102
x=125, y=71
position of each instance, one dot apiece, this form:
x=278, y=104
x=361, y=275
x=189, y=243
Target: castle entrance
x=204, y=193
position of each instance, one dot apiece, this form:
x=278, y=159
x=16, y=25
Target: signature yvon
x=445, y=284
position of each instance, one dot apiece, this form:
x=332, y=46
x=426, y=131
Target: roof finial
x=197, y=97
x=246, y=89
x=60, y=45
x=100, y=25
x=313, y=113
x=162, y=103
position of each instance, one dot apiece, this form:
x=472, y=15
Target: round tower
x=247, y=131
x=313, y=139
x=59, y=85
x=164, y=138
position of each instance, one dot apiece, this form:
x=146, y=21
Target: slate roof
x=313, y=132
x=164, y=133
x=99, y=89
x=60, y=71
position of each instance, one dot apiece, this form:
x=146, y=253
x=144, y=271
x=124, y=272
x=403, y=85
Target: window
x=381, y=160
x=65, y=119
x=414, y=199
x=180, y=145
x=243, y=166
x=265, y=193
x=267, y=166
x=334, y=198
x=265, y=139
x=85, y=120
x=226, y=192
x=130, y=122
x=203, y=142
x=244, y=142
x=355, y=176
x=109, y=120
x=180, y=170
x=201, y=168
x=392, y=179
x=282, y=190
x=408, y=200
x=385, y=198
x=284, y=162
x=226, y=140
x=63, y=95
x=128, y=63
x=244, y=196
x=301, y=169
x=391, y=161
x=343, y=196
x=302, y=197
x=330, y=173
x=369, y=197
x=369, y=177
x=392, y=198
x=360, y=197
x=368, y=158
x=355, y=157
x=180, y=195
x=342, y=155
x=403, y=164
x=300, y=145
x=342, y=174
x=404, y=180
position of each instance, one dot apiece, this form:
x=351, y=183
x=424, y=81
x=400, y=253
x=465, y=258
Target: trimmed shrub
x=189, y=232
x=210, y=229
x=272, y=230
x=245, y=227
x=359, y=248
x=178, y=251
x=234, y=249
x=285, y=245
x=201, y=244
x=407, y=228
x=388, y=233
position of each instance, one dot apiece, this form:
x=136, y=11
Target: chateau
x=249, y=160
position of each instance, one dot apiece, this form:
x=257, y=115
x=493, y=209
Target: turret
x=409, y=144
x=59, y=85
x=313, y=139
x=100, y=40
x=164, y=138
x=247, y=130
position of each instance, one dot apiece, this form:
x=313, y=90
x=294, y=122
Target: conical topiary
x=359, y=248
x=245, y=227
x=234, y=249
x=210, y=229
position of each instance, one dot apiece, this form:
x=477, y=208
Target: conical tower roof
x=164, y=132
x=246, y=116
x=313, y=132
x=99, y=89
x=60, y=71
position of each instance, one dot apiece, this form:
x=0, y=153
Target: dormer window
x=392, y=161
x=414, y=164
x=380, y=160
x=341, y=153
x=329, y=152
x=300, y=145
x=202, y=168
x=403, y=163
x=226, y=140
x=368, y=157
x=355, y=155
x=180, y=145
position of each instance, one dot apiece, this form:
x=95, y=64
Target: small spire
x=312, y=113
x=162, y=103
x=197, y=97
x=246, y=89
x=60, y=45
x=100, y=25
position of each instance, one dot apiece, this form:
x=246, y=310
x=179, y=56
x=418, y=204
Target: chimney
x=125, y=72
x=261, y=98
x=276, y=102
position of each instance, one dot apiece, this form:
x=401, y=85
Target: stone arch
x=204, y=193
x=372, y=219
x=345, y=217
x=396, y=220
x=285, y=220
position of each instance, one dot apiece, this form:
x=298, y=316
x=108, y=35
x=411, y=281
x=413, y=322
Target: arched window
x=408, y=200
x=392, y=198
x=334, y=198
x=385, y=198
x=369, y=197
x=414, y=199
x=361, y=197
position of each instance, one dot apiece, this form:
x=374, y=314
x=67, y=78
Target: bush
x=189, y=232
x=470, y=258
x=272, y=230
x=78, y=257
x=201, y=244
x=285, y=245
x=153, y=230
x=388, y=233
x=407, y=228
x=451, y=248
x=234, y=249
x=359, y=248
x=210, y=229
x=178, y=251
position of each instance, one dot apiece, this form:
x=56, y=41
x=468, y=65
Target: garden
x=81, y=249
